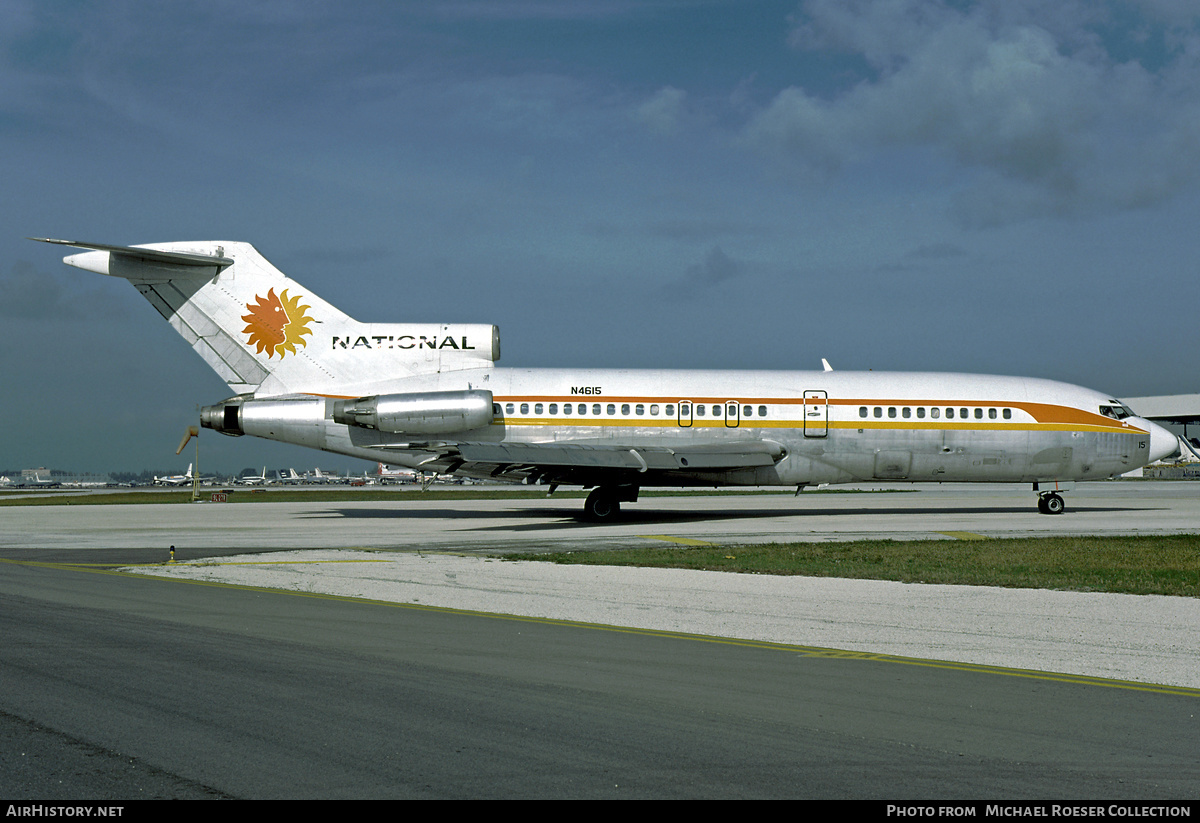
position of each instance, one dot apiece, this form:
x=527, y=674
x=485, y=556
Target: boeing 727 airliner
x=429, y=397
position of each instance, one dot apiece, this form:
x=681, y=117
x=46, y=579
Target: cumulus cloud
x=1025, y=96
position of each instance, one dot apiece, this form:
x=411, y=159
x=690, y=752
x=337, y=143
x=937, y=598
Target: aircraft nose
x=1162, y=442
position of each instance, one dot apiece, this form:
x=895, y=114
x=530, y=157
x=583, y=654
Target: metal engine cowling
x=417, y=413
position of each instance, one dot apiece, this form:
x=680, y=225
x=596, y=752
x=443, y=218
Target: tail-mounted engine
x=417, y=413
x=304, y=419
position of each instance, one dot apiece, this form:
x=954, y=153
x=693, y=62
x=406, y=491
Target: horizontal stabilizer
x=146, y=255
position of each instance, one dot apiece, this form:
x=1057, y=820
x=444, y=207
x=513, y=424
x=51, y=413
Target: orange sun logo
x=276, y=324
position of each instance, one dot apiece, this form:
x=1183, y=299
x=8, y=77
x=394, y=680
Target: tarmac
x=418, y=551
x=1147, y=639
x=878, y=511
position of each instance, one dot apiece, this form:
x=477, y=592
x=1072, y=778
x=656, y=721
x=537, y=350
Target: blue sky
x=1007, y=186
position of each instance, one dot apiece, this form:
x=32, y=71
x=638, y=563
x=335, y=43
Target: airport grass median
x=1167, y=565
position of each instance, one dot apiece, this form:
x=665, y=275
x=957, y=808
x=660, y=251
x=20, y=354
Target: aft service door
x=816, y=414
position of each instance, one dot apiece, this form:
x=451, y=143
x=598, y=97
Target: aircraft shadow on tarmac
x=646, y=514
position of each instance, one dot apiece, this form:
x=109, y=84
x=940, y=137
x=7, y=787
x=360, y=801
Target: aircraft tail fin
x=264, y=333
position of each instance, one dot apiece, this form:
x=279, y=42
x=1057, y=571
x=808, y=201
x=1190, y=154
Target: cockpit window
x=1116, y=411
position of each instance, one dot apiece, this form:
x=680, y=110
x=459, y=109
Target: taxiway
x=900, y=511
x=121, y=685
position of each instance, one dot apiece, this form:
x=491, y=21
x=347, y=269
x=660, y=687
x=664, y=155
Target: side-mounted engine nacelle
x=440, y=412
x=303, y=419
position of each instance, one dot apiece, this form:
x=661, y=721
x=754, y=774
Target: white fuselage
x=832, y=426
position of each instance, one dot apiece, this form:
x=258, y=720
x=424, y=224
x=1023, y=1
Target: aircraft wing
x=737, y=455
x=521, y=460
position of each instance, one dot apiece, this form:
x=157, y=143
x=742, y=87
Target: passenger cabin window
x=1008, y=414
x=670, y=410
x=510, y=408
x=862, y=411
x=639, y=409
x=979, y=414
x=537, y=409
x=878, y=411
x=891, y=411
x=949, y=414
x=583, y=408
x=524, y=408
x=654, y=410
x=935, y=413
x=612, y=408
x=762, y=411
x=624, y=408
x=921, y=412
x=554, y=408
x=700, y=409
x=596, y=408
x=495, y=410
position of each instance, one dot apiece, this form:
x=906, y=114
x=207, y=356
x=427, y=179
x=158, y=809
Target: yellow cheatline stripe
x=803, y=651
x=965, y=535
x=686, y=541
x=798, y=425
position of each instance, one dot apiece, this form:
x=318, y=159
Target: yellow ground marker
x=685, y=541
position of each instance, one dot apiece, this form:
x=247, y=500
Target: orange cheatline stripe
x=1045, y=414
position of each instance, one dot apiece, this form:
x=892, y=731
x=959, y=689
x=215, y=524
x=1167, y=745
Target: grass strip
x=1166, y=564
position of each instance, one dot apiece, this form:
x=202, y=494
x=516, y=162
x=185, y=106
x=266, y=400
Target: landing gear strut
x=603, y=505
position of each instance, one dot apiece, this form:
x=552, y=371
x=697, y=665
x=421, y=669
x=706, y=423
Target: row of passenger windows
x=719, y=410
x=935, y=413
x=638, y=409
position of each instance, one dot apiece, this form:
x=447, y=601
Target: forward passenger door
x=816, y=414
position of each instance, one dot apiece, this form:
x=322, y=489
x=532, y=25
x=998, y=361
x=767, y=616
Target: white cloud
x=1022, y=96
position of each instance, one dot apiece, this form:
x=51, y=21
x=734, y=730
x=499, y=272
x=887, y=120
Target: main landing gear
x=603, y=505
x=1051, y=503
